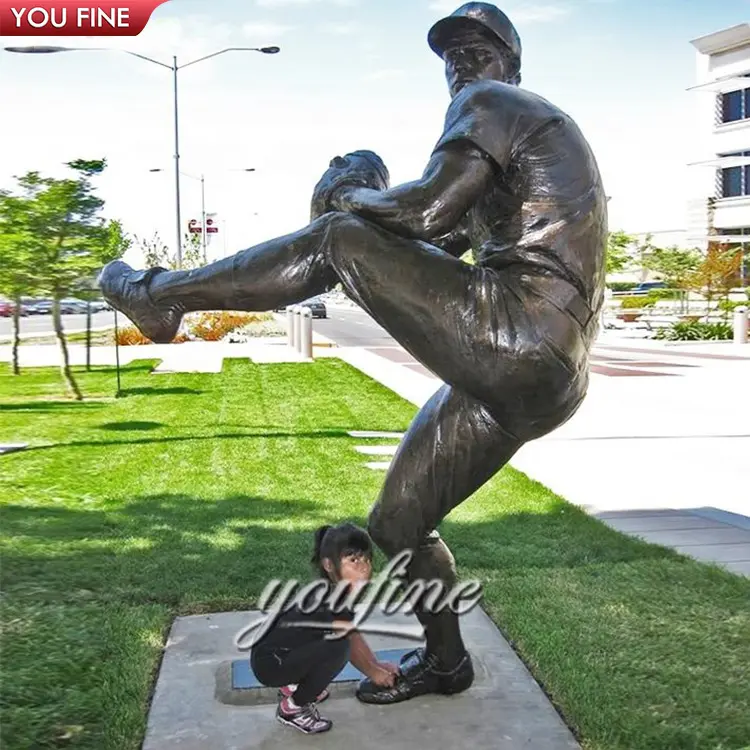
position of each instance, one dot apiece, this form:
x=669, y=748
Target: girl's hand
x=382, y=677
x=388, y=667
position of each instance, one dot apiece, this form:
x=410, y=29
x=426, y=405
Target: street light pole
x=204, y=228
x=46, y=49
x=202, y=179
x=178, y=216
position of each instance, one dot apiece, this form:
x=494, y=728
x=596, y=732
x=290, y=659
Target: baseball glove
x=357, y=169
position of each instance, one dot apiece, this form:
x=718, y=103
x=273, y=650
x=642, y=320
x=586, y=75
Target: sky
x=351, y=74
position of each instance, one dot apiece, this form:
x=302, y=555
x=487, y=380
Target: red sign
x=195, y=228
x=75, y=17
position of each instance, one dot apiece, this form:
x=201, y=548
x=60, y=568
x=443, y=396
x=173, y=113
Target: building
x=719, y=210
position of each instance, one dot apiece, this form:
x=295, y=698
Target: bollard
x=297, y=327
x=305, y=347
x=740, y=325
x=290, y=326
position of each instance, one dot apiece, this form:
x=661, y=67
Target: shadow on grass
x=128, y=426
x=186, y=551
x=173, y=391
x=45, y=406
x=563, y=586
x=186, y=438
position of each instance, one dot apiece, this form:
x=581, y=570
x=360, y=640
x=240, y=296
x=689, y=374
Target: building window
x=734, y=181
x=734, y=232
x=732, y=106
x=735, y=105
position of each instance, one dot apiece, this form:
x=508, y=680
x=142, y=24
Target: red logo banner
x=75, y=17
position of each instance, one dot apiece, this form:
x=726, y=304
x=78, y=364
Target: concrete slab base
x=504, y=709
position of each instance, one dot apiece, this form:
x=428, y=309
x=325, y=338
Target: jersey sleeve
x=482, y=115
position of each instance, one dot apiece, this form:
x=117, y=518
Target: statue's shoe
x=127, y=291
x=420, y=675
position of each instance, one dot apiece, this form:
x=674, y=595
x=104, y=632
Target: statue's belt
x=562, y=294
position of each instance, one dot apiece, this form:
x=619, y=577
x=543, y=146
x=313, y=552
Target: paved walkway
x=659, y=449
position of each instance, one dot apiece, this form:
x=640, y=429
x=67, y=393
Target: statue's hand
x=358, y=169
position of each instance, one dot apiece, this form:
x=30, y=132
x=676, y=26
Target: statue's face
x=474, y=57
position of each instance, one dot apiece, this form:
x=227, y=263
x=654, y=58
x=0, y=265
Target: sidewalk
x=663, y=457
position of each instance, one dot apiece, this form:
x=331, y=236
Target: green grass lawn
x=190, y=492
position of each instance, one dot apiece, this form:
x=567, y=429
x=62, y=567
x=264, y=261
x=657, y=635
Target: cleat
x=127, y=291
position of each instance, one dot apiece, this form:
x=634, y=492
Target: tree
x=16, y=261
x=68, y=241
x=619, y=251
x=675, y=265
x=716, y=273
x=156, y=253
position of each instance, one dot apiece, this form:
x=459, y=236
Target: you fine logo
x=75, y=17
x=385, y=589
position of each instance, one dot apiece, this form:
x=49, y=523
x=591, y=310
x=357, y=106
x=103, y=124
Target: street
x=41, y=325
x=352, y=327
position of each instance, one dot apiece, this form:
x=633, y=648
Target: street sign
x=195, y=228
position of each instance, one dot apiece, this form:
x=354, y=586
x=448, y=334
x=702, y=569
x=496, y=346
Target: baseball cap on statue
x=474, y=16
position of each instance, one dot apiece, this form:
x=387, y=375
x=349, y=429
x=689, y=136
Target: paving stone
x=384, y=435
x=674, y=522
x=740, y=568
x=720, y=553
x=377, y=450
x=697, y=537
x=12, y=447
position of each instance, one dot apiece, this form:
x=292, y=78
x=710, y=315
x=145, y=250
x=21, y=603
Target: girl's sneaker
x=305, y=718
x=288, y=691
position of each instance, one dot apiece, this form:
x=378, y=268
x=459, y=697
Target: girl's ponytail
x=316, y=558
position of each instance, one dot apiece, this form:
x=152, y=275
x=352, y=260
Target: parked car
x=316, y=304
x=39, y=307
x=99, y=305
x=317, y=307
x=646, y=286
x=6, y=308
x=72, y=306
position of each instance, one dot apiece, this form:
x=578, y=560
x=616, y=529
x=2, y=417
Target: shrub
x=131, y=336
x=696, y=331
x=727, y=305
x=665, y=294
x=622, y=286
x=214, y=326
x=636, y=303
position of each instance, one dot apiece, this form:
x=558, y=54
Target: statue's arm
x=431, y=207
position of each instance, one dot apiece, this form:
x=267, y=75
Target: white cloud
x=341, y=29
x=541, y=13
x=284, y=3
x=265, y=30
x=385, y=74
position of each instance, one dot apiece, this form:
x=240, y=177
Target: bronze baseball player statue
x=511, y=178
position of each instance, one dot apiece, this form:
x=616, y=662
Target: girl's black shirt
x=285, y=635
